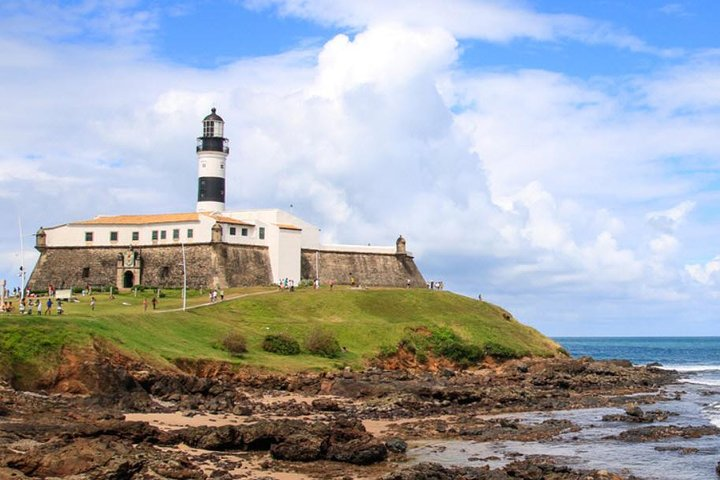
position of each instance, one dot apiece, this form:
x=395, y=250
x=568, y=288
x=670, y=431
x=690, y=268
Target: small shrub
x=462, y=353
x=500, y=352
x=387, y=351
x=282, y=344
x=408, y=345
x=235, y=343
x=322, y=342
x=421, y=357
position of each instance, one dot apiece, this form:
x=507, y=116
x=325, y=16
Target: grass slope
x=364, y=321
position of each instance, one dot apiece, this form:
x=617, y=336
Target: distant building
x=223, y=249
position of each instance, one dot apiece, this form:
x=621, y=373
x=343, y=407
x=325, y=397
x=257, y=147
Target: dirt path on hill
x=227, y=299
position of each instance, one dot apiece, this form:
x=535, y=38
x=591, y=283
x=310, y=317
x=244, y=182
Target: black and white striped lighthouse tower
x=212, y=152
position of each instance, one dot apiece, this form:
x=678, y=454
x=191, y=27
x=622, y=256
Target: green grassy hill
x=365, y=322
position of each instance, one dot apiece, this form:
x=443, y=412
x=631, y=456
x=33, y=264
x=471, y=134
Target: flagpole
x=184, y=265
x=22, y=261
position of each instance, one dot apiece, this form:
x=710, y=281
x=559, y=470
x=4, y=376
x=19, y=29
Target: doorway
x=128, y=279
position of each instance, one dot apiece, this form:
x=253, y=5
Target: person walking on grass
x=144, y=304
x=49, y=304
x=92, y=303
x=154, y=302
x=38, y=304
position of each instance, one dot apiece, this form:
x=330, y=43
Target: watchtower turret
x=400, y=246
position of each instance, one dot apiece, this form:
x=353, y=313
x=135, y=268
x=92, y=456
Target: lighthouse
x=212, y=152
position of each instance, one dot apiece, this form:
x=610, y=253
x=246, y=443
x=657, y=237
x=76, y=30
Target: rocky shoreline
x=105, y=416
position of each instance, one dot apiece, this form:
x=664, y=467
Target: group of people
x=34, y=304
x=214, y=294
x=286, y=283
x=436, y=285
x=28, y=304
x=145, y=303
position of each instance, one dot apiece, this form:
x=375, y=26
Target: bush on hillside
x=441, y=342
x=500, y=352
x=323, y=342
x=235, y=343
x=282, y=344
x=387, y=351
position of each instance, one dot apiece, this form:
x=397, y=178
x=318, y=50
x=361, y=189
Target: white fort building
x=224, y=248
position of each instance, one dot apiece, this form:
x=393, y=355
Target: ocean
x=698, y=361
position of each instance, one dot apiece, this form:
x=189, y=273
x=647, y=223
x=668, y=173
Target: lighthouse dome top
x=213, y=116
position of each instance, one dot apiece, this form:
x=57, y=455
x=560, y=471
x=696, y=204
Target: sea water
x=697, y=360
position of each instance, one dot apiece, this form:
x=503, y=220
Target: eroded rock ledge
x=76, y=427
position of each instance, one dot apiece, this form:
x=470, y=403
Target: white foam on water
x=702, y=381
x=692, y=368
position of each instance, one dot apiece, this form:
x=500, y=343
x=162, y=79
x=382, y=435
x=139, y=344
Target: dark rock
x=360, y=451
x=539, y=468
x=634, y=411
x=681, y=450
x=299, y=448
x=649, y=434
x=242, y=410
x=396, y=445
x=638, y=416
x=325, y=405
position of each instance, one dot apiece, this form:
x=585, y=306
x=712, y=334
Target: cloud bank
x=573, y=201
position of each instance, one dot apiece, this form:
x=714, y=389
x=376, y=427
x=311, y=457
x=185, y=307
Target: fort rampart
x=367, y=269
x=208, y=265
x=213, y=265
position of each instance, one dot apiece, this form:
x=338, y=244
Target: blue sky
x=559, y=157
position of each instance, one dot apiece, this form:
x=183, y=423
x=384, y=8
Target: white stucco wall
x=74, y=234
x=310, y=233
x=289, y=254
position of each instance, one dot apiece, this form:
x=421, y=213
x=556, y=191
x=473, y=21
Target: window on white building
x=261, y=233
x=154, y=234
x=244, y=232
x=88, y=236
x=113, y=236
x=176, y=234
x=163, y=234
x=135, y=236
x=233, y=231
x=190, y=233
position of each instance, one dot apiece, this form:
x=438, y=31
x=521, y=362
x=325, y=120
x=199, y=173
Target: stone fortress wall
x=212, y=265
x=367, y=269
x=208, y=265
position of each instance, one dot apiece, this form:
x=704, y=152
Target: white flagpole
x=184, y=265
x=22, y=262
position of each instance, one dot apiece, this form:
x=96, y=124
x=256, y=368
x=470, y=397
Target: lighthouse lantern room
x=212, y=152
